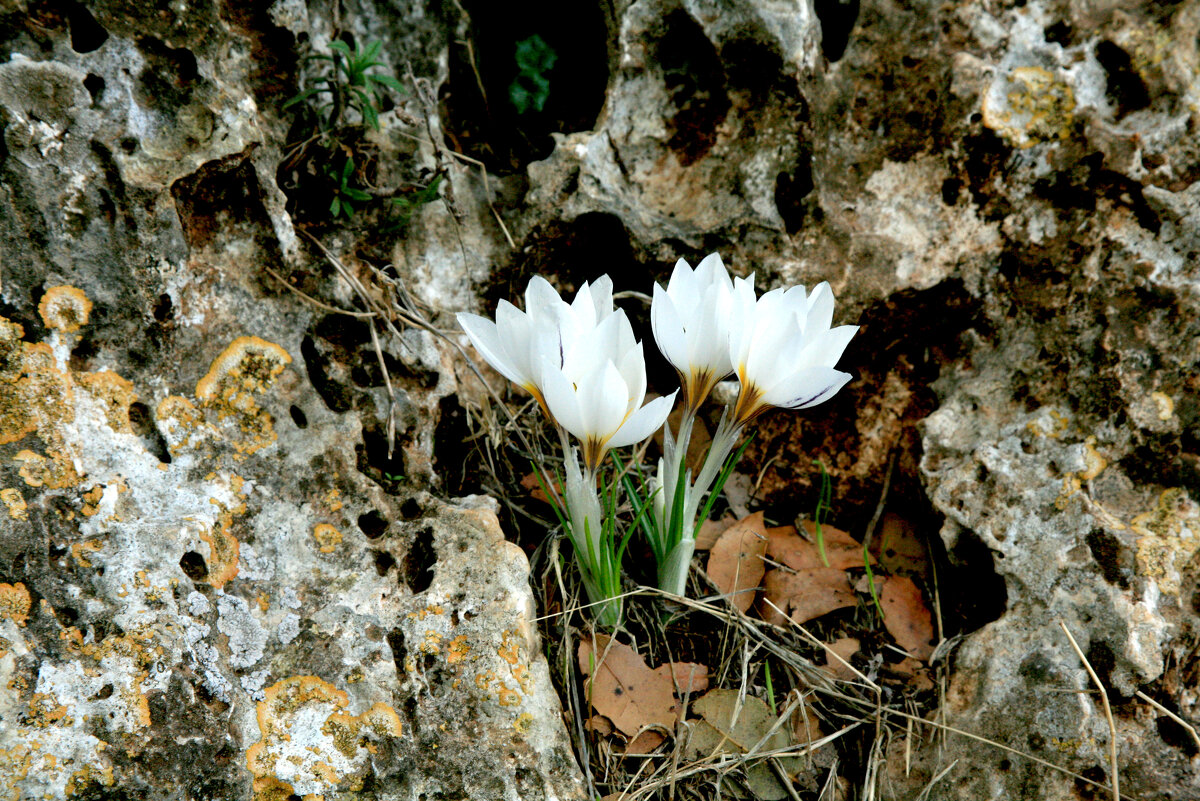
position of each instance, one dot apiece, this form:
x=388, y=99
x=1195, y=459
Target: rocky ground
x=245, y=550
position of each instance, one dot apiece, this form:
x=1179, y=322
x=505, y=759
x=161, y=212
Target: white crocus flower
x=783, y=349
x=596, y=393
x=691, y=319
x=521, y=344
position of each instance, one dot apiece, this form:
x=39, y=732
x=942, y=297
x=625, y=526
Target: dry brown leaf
x=906, y=616
x=645, y=742
x=711, y=531
x=720, y=732
x=845, y=647
x=786, y=546
x=599, y=724
x=900, y=548
x=805, y=594
x=530, y=482
x=735, y=563
x=916, y=673
x=628, y=692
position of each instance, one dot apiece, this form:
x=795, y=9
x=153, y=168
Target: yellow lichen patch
x=114, y=393
x=1169, y=538
x=182, y=423
x=45, y=710
x=309, y=744
x=15, y=503
x=1094, y=461
x=15, y=603
x=223, y=552
x=91, y=500
x=248, y=366
x=65, y=308
x=457, y=650
x=38, y=471
x=14, y=767
x=87, y=776
x=328, y=538
x=1030, y=105
x=523, y=723
x=333, y=501
x=510, y=647
x=80, y=549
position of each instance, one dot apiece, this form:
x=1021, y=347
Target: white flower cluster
x=581, y=362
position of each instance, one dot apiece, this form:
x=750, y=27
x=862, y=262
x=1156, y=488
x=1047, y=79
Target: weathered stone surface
x=204, y=587
x=213, y=575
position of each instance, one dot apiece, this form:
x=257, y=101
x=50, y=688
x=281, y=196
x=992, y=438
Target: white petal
x=562, y=402
x=632, y=367
x=820, y=307
x=644, y=422
x=806, y=388
x=711, y=271
x=668, y=329
x=683, y=288
x=583, y=309
x=515, y=331
x=827, y=347
x=602, y=290
x=484, y=336
x=541, y=298
x=603, y=401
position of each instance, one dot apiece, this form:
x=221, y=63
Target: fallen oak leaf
x=844, y=647
x=787, y=547
x=730, y=726
x=906, y=616
x=805, y=594
x=627, y=692
x=735, y=563
x=900, y=548
x=711, y=531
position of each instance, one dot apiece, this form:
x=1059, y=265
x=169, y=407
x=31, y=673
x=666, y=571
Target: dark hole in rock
x=142, y=422
x=95, y=86
x=837, y=23
x=411, y=509
x=1059, y=33
x=1103, y=660
x=572, y=90
x=987, y=161
x=337, y=397
x=164, y=308
x=85, y=350
x=454, y=458
x=1005, y=765
x=66, y=615
x=419, y=561
x=87, y=35
x=273, y=67
x=1126, y=89
x=1091, y=790
x=298, y=416
x=374, y=461
x=1175, y=735
x=695, y=80
x=395, y=640
x=791, y=191
x=168, y=77
x=105, y=692
x=129, y=144
x=950, y=190
x=372, y=524
x=384, y=562
x=193, y=566
x=222, y=195
x=1106, y=550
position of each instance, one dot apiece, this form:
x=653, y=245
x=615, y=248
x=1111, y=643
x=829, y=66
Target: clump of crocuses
x=581, y=362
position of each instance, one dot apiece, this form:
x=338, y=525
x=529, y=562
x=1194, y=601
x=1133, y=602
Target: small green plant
x=349, y=84
x=344, y=195
x=406, y=205
x=530, y=89
x=343, y=98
